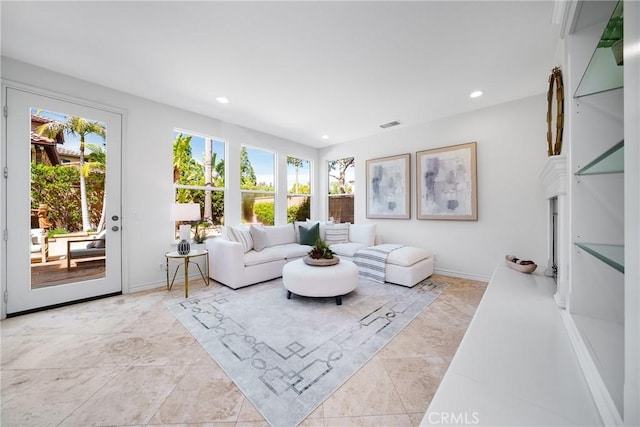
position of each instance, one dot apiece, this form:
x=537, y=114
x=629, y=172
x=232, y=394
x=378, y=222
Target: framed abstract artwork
x=446, y=183
x=388, y=187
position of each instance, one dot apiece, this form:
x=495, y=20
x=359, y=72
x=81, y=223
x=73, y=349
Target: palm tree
x=296, y=163
x=97, y=162
x=207, y=178
x=78, y=127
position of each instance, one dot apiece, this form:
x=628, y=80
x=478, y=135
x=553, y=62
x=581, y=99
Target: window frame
x=309, y=195
x=215, y=228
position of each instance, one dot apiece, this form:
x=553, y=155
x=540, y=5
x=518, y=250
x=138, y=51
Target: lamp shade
x=185, y=212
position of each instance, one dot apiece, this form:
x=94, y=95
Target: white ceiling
x=297, y=70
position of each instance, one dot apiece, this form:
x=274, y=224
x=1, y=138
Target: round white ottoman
x=311, y=281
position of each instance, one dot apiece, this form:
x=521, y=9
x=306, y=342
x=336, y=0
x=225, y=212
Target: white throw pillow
x=281, y=234
x=363, y=233
x=336, y=233
x=259, y=236
x=241, y=234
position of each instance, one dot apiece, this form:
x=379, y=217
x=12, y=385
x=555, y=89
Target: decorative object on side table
x=200, y=232
x=321, y=256
x=184, y=247
x=521, y=265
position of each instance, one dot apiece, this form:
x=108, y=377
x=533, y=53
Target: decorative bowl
x=526, y=268
x=321, y=262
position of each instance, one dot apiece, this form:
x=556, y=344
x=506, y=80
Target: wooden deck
x=54, y=272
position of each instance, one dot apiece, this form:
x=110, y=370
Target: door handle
x=115, y=228
x=115, y=217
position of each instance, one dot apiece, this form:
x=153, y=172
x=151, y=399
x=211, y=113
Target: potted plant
x=200, y=233
x=321, y=255
x=320, y=251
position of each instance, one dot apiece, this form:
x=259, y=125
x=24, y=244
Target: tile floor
x=126, y=361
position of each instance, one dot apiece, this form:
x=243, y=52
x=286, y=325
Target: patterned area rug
x=288, y=356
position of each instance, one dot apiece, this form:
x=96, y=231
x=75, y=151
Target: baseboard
x=163, y=283
x=606, y=407
x=461, y=275
x=147, y=286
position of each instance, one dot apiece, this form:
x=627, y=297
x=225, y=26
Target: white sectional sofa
x=243, y=256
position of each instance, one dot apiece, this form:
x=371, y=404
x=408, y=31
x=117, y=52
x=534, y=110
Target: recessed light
x=325, y=136
x=222, y=100
x=476, y=94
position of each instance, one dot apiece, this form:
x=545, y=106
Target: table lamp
x=185, y=212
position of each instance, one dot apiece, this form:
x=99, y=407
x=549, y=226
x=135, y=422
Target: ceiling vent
x=390, y=124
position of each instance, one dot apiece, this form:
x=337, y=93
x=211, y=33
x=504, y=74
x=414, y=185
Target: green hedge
x=264, y=212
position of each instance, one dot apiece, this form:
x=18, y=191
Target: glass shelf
x=605, y=71
x=611, y=161
x=612, y=255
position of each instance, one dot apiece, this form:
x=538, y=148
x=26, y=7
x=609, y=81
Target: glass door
x=63, y=201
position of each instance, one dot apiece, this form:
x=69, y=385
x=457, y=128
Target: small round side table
x=185, y=261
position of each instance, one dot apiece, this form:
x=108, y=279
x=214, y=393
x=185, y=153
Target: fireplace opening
x=552, y=270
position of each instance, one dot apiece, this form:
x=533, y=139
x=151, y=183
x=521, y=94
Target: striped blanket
x=372, y=261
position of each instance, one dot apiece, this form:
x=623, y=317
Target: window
x=257, y=177
x=198, y=177
x=298, y=189
x=341, y=189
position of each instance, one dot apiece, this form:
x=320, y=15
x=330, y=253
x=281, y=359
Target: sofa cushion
x=37, y=236
x=406, y=256
x=99, y=241
x=262, y=257
x=86, y=253
x=259, y=236
x=291, y=250
x=309, y=235
x=281, y=234
x=242, y=235
x=336, y=233
x=363, y=233
x=347, y=249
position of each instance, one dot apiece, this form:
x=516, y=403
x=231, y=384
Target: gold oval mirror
x=555, y=112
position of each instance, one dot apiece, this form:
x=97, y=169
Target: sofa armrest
x=226, y=260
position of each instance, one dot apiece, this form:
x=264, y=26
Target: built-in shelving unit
x=596, y=303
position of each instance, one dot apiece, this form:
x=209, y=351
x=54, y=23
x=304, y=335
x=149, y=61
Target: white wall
x=147, y=164
x=512, y=210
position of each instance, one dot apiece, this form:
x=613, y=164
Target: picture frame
x=389, y=187
x=446, y=183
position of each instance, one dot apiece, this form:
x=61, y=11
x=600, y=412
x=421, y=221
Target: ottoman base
x=338, y=298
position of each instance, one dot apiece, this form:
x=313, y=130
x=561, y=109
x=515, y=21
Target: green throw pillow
x=309, y=236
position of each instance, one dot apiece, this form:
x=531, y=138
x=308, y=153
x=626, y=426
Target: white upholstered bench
x=408, y=265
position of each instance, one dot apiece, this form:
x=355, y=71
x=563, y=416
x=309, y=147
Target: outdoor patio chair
x=39, y=244
x=95, y=247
